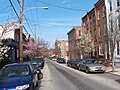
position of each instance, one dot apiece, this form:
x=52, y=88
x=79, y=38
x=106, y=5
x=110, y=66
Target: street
x=60, y=77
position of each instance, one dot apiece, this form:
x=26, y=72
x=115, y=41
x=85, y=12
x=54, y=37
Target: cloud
x=65, y=1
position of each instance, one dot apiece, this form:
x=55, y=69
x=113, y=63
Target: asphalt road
x=61, y=77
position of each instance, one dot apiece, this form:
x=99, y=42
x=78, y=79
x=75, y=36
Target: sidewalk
x=47, y=80
x=116, y=72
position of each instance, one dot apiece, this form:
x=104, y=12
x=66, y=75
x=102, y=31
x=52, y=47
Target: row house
x=95, y=23
x=11, y=40
x=61, y=49
x=74, y=50
x=113, y=22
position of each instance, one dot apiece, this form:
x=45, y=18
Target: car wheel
x=87, y=71
x=103, y=71
x=79, y=68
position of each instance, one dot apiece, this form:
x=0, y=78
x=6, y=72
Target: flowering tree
x=35, y=48
x=4, y=31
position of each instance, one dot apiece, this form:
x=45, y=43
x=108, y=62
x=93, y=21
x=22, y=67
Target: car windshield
x=91, y=62
x=37, y=59
x=14, y=71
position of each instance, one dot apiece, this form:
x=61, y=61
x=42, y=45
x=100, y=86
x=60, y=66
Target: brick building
x=61, y=49
x=73, y=35
x=95, y=22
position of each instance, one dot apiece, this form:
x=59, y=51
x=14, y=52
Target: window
x=104, y=11
x=110, y=5
x=99, y=31
x=98, y=14
x=90, y=20
x=119, y=23
x=118, y=3
x=94, y=19
x=91, y=33
x=79, y=33
x=95, y=33
x=111, y=23
x=101, y=49
x=118, y=48
x=86, y=23
x=105, y=29
x=95, y=51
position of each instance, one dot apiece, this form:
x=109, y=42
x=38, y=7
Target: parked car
x=69, y=63
x=18, y=76
x=53, y=58
x=91, y=65
x=75, y=64
x=39, y=60
x=60, y=60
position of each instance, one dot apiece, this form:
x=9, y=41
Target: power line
x=26, y=19
x=17, y=14
x=62, y=6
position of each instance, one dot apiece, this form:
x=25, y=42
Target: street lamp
x=45, y=7
x=21, y=26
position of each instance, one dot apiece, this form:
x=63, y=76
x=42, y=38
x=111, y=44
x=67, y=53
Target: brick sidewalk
x=116, y=72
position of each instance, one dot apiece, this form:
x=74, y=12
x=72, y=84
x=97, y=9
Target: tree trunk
x=113, y=61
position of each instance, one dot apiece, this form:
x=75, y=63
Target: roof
x=15, y=64
x=92, y=8
x=74, y=28
x=88, y=13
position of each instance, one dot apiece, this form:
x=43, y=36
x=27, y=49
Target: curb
x=112, y=73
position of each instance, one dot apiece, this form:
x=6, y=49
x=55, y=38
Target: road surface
x=60, y=77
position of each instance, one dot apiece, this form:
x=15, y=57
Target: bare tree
x=85, y=43
x=113, y=36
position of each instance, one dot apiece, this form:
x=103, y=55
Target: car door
x=84, y=65
x=34, y=75
x=81, y=65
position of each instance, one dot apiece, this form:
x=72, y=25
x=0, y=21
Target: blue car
x=18, y=76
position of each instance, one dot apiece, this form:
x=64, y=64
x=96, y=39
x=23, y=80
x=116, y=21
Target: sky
x=51, y=24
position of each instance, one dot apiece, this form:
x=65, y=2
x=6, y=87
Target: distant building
x=61, y=49
x=73, y=35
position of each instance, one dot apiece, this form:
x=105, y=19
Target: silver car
x=91, y=65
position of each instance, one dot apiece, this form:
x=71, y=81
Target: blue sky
x=51, y=24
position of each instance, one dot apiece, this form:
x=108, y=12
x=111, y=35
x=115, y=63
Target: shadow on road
x=118, y=80
x=39, y=85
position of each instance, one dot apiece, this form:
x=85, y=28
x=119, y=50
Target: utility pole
x=21, y=39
